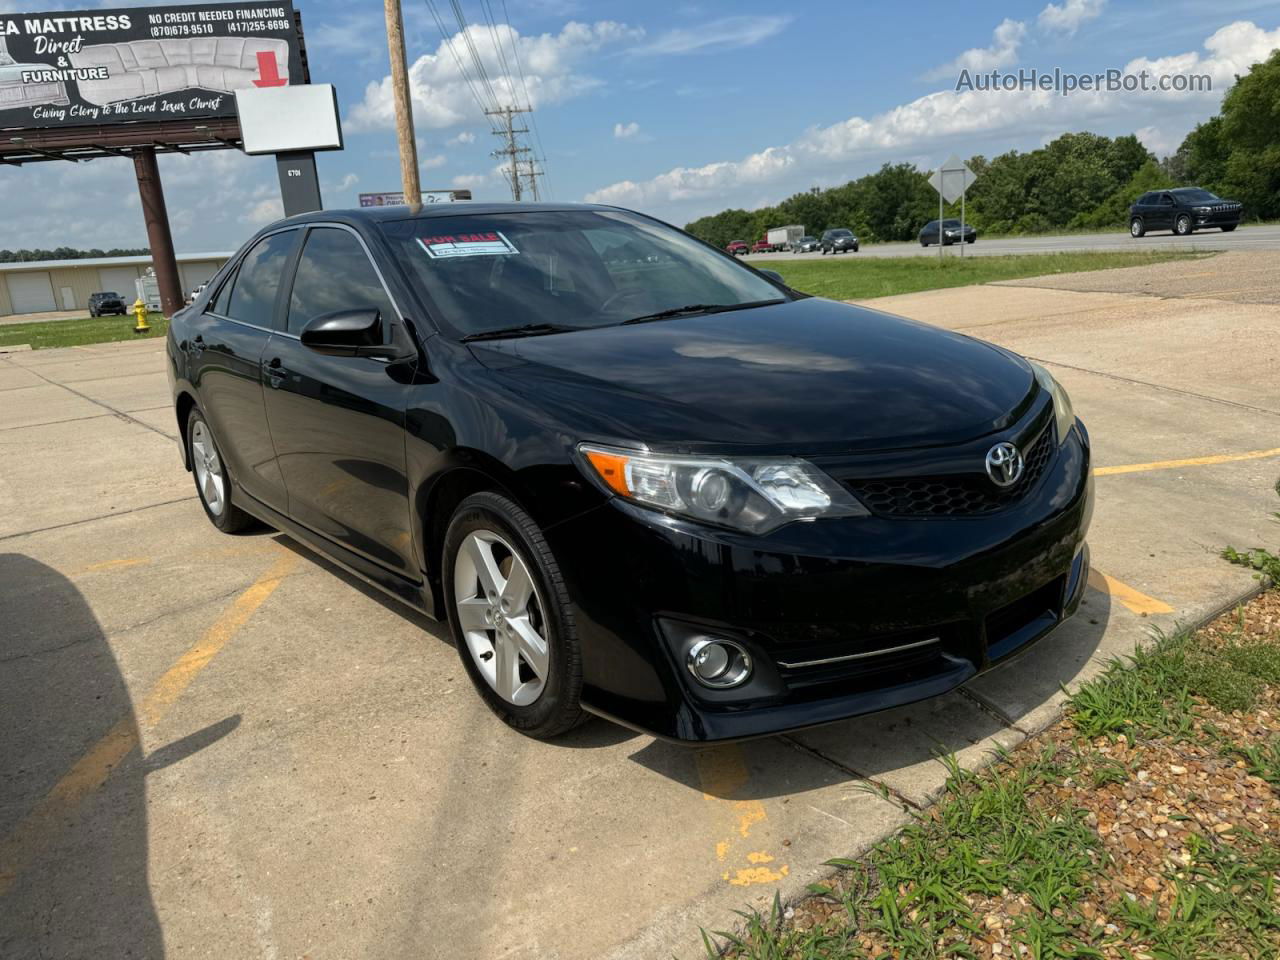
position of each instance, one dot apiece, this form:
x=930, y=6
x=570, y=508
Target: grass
x=78, y=332
x=1015, y=841
x=849, y=278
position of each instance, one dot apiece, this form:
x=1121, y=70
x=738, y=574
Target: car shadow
x=880, y=745
x=73, y=806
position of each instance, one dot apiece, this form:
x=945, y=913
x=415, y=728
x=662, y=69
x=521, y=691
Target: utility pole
x=511, y=151
x=533, y=175
x=404, y=104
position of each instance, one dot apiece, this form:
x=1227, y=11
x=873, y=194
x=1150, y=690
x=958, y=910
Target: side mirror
x=349, y=333
x=775, y=276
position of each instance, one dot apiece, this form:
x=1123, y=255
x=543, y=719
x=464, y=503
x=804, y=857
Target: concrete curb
x=802, y=878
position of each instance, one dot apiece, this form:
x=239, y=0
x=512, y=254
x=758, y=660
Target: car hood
x=810, y=375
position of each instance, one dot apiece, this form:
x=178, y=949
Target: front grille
x=955, y=496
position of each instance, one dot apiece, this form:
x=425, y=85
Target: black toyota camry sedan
x=636, y=476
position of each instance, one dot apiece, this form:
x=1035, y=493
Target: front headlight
x=1201, y=209
x=754, y=495
x=1064, y=417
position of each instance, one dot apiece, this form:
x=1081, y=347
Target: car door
x=1163, y=211
x=225, y=348
x=338, y=422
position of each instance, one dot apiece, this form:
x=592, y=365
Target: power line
x=447, y=41
x=537, y=135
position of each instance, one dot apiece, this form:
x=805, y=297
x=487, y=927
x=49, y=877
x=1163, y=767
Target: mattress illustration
x=14, y=92
x=147, y=68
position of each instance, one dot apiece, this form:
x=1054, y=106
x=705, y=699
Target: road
x=218, y=746
x=1266, y=237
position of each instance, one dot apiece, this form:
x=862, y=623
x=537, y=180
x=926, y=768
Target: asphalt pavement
x=1265, y=237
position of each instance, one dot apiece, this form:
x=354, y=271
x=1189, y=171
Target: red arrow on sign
x=269, y=71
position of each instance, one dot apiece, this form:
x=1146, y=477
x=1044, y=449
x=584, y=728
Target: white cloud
x=431, y=163
x=442, y=98
x=1005, y=40
x=466, y=136
x=263, y=212
x=470, y=181
x=347, y=182
x=625, y=131
x=1068, y=17
x=727, y=33
x=927, y=128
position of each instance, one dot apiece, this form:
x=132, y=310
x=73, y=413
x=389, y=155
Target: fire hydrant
x=140, y=311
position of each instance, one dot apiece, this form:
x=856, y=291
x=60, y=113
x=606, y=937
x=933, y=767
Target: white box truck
x=783, y=238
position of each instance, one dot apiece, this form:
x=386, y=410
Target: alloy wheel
x=210, y=479
x=500, y=616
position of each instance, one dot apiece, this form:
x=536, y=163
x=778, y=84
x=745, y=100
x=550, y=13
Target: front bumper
x=841, y=617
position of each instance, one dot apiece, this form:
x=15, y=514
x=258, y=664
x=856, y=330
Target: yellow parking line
x=1135, y=600
x=722, y=771
x=1190, y=462
x=91, y=771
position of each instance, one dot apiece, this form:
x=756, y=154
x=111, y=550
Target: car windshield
x=949, y=224
x=106, y=295
x=841, y=233
x=1195, y=196
x=806, y=239
x=564, y=269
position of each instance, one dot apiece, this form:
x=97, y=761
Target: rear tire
x=213, y=482
x=1137, y=228
x=518, y=644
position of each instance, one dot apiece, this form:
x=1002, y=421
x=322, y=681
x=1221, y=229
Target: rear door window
x=253, y=295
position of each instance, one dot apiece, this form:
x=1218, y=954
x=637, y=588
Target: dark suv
x=103, y=303
x=1183, y=211
x=839, y=241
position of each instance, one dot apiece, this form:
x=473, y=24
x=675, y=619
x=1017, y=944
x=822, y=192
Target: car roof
x=429, y=211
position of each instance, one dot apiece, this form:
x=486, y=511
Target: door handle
x=276, y=373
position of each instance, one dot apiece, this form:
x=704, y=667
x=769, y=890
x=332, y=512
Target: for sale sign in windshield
x=67, y=69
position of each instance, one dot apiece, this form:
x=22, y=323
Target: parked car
x=762, y=246
x=806, y=245
x=1183, y=211
x=196, y=292
x=677, y=494
x=738, y=248
x=950, y=232
x=107, y=302
x=839, y=240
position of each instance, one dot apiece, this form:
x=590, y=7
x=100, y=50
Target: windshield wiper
x=524, y=330
x=700, y=308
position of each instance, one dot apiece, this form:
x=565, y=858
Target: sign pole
x=404, y=103
x=151, y=192
x=942, y=172
x=964, y=171
x=299, y=183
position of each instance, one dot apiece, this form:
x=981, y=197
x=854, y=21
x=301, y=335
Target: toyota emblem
x=1004, y=464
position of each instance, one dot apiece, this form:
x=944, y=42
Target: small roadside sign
x=951, y=180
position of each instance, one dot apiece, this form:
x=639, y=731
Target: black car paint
x=1160, y=209
x=364, y=458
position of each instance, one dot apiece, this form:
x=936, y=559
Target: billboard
x=107, y=66
x=396, y=198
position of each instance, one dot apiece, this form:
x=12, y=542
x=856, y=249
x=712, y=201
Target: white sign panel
x=290, y=118
x=953, y=179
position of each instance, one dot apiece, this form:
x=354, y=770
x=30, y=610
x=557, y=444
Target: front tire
x=213, y=482
x=1182, y=225
x=511, y=618
x=1229, y=227
x=1137, y=228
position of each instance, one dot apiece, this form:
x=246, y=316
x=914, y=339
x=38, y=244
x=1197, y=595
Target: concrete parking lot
x=226, y=747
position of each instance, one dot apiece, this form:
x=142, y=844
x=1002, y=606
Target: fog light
x=718, y=663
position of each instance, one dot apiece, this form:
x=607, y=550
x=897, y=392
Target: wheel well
x=447, y=492
x=186, y=403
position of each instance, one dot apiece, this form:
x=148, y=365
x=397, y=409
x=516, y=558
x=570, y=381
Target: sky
x=676, y=109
